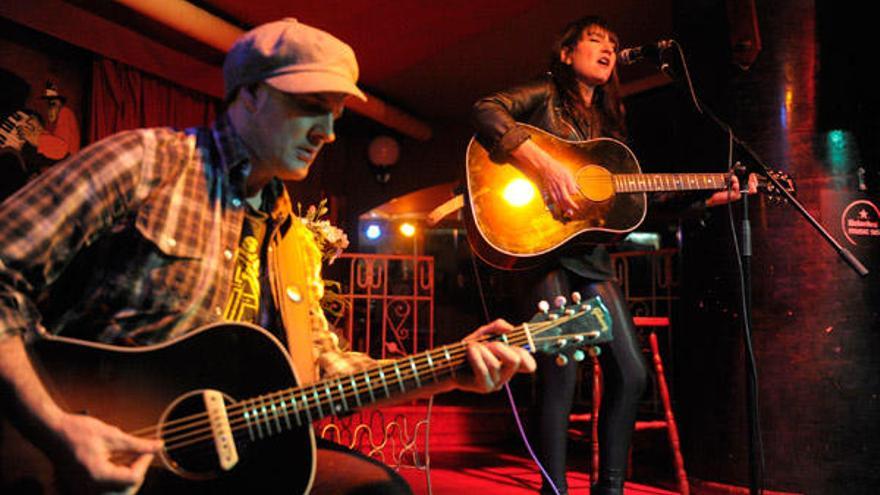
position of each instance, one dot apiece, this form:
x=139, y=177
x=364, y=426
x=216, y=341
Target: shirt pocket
x=172, y=269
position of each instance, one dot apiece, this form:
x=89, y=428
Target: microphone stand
x=755, y=447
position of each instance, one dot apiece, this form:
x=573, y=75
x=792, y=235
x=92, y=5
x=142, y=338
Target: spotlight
x=519, y=192
x=407, y=229
x=373, y=232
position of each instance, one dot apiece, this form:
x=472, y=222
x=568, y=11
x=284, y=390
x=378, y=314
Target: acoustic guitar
x=225, y=400
x=511, y=226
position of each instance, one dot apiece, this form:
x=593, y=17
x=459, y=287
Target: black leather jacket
x=495, y=118
x=536, y=103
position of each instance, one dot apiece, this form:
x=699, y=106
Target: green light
x=840, y=151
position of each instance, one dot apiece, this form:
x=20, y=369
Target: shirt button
x=294, y=294
x=227, y=254
x=218, y=310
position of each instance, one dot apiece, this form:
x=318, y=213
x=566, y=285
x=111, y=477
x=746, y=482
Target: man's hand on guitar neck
x=733, y=194
x=557, y=181
x=493, y=363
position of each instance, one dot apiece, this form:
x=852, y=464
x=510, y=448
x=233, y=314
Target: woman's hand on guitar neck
x=556, y=180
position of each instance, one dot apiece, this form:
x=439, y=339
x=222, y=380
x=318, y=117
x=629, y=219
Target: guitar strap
x=295, y=278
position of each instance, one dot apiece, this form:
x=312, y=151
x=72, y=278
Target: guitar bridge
x=224, y=442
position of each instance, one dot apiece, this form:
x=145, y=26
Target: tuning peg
x=570, y=312
x=594, y=351
x=562, y=342
x=559, y=301
x=544, y=307
x=576, y=297
x=578, y=355
x=561, y=360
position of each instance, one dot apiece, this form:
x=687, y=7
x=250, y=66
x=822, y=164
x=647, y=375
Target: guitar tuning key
x=559, y=301
x=594, y=351
x=578, y=355
x=561, y=360
x=576, y=297
x=544, y=307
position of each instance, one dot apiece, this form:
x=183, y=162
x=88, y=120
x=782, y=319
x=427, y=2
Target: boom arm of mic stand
x=844, y=253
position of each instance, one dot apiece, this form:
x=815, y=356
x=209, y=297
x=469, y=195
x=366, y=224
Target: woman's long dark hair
x=606, y=98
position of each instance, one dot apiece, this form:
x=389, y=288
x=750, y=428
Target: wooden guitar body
x=513, y=236
x=134, y=388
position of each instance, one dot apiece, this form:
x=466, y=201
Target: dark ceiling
x=435, y=58
x=431, y=59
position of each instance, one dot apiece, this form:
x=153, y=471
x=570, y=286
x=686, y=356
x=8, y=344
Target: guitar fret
x=431, y=365
x=305, y=400
x=399, y=378
x=384, y=383
x=295, y=409
x=257, y=419
x=412, y=364
x=318, y=402
x=286, y=415
x=449, y=360
x=330, y=398
x=277, y=418
x=342, y=394
x=357, y=395
x=247, y=420
x=369, y=386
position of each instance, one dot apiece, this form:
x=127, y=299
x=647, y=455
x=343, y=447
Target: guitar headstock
x=771, y=192
x=580, y=325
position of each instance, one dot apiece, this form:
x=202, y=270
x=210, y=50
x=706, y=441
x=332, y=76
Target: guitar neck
x=343, y=394
x=633, y=183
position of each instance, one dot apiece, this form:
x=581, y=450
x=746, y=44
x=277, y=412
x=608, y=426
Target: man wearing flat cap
x=148, y=235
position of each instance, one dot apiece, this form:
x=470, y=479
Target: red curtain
x=126, y=98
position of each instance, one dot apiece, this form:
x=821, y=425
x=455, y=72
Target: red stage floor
x=485, y=471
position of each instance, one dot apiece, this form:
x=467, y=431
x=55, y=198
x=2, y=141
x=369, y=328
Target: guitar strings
x=363, y=382
x=265, y=418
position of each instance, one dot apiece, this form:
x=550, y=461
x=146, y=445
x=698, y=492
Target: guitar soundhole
x=189, y=443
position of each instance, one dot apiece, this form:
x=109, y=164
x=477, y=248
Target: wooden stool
x=668, y=423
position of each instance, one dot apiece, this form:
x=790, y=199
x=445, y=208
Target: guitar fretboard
x=668, y=182
x=267, y=415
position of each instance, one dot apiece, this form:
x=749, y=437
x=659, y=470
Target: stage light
x=407, y=229
x=373, y=232
x=519, y=192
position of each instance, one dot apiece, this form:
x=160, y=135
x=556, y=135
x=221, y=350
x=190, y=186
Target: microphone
x=632, y=55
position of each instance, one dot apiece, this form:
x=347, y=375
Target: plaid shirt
x=133, y=241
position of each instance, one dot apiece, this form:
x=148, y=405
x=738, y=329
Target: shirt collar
x=236, y=164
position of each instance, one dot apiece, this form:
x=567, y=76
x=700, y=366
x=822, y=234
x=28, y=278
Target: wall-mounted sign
x=860, y=223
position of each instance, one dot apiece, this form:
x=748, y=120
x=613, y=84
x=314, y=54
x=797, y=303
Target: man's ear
x=249, y=94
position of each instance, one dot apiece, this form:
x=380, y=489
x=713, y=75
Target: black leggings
x=624, y=377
